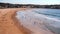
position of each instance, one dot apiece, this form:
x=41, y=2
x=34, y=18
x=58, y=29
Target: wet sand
x=9, y=24
x=33, y=22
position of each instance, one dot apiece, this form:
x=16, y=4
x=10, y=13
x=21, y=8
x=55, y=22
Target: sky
x=40, y=2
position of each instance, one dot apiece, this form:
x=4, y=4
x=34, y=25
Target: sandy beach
x=9, y=24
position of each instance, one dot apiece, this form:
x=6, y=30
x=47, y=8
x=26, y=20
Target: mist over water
x=44, y=19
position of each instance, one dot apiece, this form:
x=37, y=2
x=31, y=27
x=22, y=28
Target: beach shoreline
x=10, y=24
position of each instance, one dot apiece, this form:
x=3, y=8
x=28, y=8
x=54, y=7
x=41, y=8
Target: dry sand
x=9, y=24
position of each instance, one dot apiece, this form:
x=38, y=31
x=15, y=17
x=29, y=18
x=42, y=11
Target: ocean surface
x=49, y=18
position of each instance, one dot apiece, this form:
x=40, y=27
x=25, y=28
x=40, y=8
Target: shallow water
x=40, y=20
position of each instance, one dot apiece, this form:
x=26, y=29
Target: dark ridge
x=8, y=5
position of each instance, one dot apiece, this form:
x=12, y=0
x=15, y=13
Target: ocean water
x=44, y=19
x=52, y=17
x=53, y=13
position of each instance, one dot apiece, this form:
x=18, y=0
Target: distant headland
x=8, y=5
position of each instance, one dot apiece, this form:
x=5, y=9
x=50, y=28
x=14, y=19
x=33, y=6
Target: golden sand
x=9, y=24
